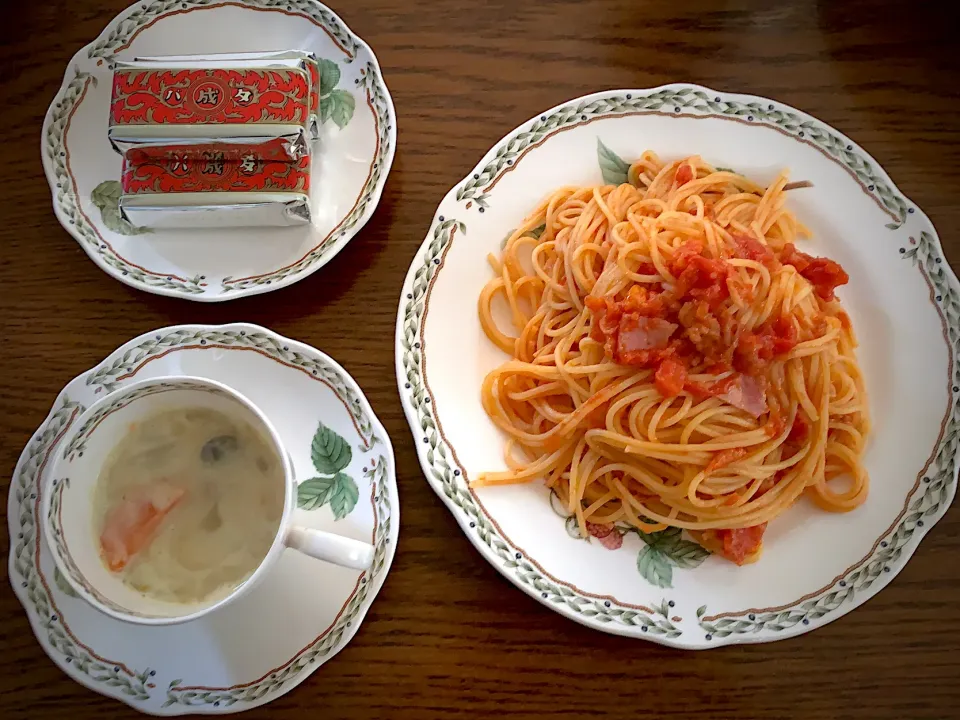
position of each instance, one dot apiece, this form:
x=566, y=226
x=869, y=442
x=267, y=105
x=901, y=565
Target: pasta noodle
x=675, y=360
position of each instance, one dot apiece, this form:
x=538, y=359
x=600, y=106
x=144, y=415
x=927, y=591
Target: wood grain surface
x=448, y=636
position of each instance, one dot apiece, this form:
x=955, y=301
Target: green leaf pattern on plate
x=665, y=550
x=654, y=567
x=329, y=451
x=344, y=496
x=612, y=166
x=330, y=454
x=106, y=197
x=535, y=233
x=336, y=105
x=62, y=584
x=313, y=493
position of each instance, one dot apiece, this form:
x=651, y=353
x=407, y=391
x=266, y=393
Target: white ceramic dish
x=904, y=303
x=349, y=170
x=67, y=513
x=303, y=612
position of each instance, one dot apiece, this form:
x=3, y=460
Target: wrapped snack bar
x=193, y=186
x=303, y=59
x=184, y=102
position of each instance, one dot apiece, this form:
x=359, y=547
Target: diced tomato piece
x=786, y=336
x=800, y=428
x=742, y=543
x=594, y=303
x=754, y=351
x=683, y=254
x=724, y=457
x=824, y=274
x=606, y=317
x=713, y=296
x=670, y=378
x=749, y=248
x=701, y=273
x=791, y=256
x=775, y=423
x=684, y=174
x=644, y=302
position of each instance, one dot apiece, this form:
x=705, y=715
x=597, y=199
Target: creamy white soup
x=188, y=504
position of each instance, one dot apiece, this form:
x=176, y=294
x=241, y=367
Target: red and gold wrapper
x=214, y=171
x=217, y=97
x=275, y=149
x=189, y=103
x=300, y=59
x=213, y=187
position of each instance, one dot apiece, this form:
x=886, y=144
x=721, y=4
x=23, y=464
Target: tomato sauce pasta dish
x=676, y=360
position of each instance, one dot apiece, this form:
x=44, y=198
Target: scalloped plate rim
x=682, y=642
x=211, y=297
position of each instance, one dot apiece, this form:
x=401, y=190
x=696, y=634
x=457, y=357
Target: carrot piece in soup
x=132, y=523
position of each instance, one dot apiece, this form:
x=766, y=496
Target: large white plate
x=304, y=612
x=904, y=303
x=348, y=173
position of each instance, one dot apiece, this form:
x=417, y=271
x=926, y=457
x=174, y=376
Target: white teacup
x=68, y=516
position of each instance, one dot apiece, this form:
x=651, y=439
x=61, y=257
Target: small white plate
x=302, y=614
x=904, y=303
x=350, y=165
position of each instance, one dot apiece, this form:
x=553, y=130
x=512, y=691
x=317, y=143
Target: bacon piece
x=643, y=333
x=747, y=394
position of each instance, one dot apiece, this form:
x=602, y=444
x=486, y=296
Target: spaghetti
x=676, y=361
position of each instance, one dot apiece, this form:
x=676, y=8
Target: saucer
x=206, y=665
x=350, y=165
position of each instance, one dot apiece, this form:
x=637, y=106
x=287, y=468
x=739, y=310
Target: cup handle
x=336, y=549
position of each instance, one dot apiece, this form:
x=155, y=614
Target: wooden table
x=448, y=636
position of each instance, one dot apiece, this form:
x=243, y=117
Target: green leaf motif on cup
x=336, y=105
x=612, y=166
x=330, y=454
x=106, y=197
